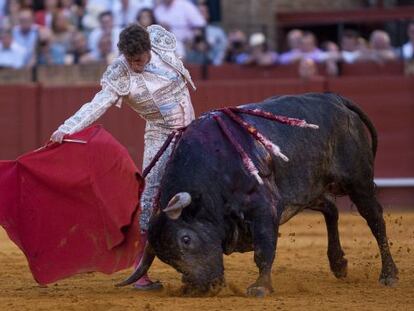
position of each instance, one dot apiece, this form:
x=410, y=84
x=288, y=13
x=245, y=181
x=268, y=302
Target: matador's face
x=138, y=62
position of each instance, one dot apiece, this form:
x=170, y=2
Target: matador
x=152, y=80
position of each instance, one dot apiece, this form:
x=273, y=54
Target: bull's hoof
x=390, y=281
x=258, y=291
x=340, y=268
x=389, y=275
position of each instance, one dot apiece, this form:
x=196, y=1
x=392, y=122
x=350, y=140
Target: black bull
x=211, y=205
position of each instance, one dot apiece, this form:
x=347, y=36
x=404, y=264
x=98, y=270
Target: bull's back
x=319, y=157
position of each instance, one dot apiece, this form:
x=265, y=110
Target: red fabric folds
x=72, y=208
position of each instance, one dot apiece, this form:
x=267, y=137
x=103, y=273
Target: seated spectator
x=294, y=39
x=181, y=17
x=105, y=53
x=12, y=55
x=44, y=17
x=3, y=6
x=125, y=11
x=79, y=52
x=408, y=48
x=106, y=28
x=259, y=54
x=380, y=49
x=237, y=47
x=46, y=53
x=146, y=17
x=91, y=11
x=26, y=35
x=62, y=32
x=73, y=10
x=11, y=18
x=215, y=36
x=332, y=56
x=309, y=48
x=199, y=50
x=350, y=47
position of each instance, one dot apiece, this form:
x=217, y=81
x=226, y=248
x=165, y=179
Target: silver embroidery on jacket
x=118, y=77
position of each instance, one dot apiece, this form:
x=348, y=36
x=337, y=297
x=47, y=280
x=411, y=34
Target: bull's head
x=192, y=245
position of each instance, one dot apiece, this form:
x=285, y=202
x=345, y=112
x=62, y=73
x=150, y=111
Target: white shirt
x=217, y=39
x=27, y=41
x=350, y=57
x=407, y=51
x=103, y=5
x=13, y=57
x=181, y=17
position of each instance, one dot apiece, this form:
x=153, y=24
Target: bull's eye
x=186, y=240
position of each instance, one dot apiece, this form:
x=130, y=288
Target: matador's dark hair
x=134, y=40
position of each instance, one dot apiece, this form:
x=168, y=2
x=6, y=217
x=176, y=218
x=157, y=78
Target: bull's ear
x=177, y=204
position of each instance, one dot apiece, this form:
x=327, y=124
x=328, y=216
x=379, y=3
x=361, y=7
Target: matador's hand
x=57, y=136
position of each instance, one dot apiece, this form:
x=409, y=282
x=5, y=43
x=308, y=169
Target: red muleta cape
x=72, y=208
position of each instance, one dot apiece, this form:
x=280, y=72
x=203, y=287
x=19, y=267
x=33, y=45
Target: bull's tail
x=363, y=116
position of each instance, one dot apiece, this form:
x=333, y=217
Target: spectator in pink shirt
x=181, y=17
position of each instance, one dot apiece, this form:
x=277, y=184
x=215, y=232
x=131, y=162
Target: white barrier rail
x=394, y=182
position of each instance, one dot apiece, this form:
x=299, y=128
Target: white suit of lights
x=159, y=95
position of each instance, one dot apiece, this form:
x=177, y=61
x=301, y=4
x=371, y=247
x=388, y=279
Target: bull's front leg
x=264, y=230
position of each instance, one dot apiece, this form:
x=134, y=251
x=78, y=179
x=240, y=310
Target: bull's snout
x=202, y=287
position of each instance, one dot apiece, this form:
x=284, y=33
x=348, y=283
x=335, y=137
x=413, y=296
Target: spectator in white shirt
x=294, y=54
x=11, y=54
x=125, y=11
x=380, y=49
x=106, y=28
x=408, y=48
x=26, y=35
x=104, y=5
x=104, y=54
x=309, y=48
x=350, y=47
x=180, y=17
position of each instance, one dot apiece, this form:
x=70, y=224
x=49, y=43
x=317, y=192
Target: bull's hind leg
x=337, y=262
x=371, y=210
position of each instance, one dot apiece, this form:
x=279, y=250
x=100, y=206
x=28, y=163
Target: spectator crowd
x=66, y=32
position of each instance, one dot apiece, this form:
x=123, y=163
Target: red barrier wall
x=30, y=113
x=18, y=120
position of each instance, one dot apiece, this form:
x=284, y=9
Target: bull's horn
x=176, y=205
x=142, y=267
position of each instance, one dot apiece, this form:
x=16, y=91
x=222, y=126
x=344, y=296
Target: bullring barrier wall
x=29, y=113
